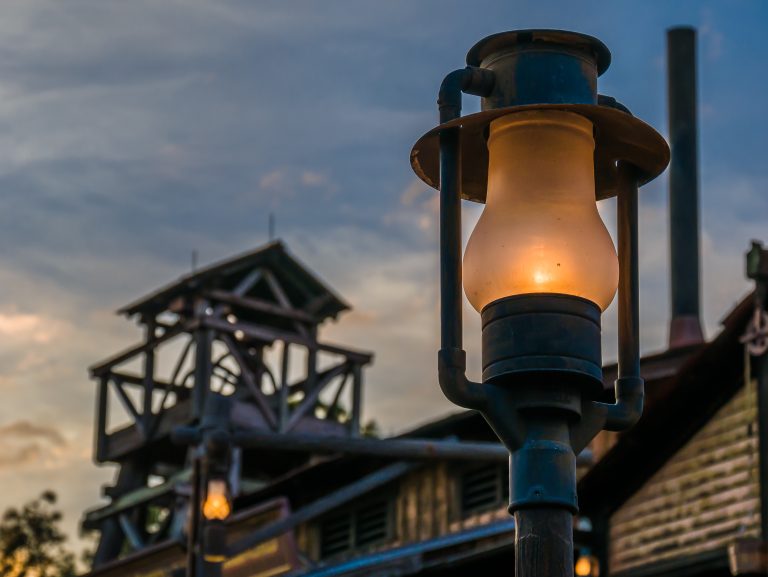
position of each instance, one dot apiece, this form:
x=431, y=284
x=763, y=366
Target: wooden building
x=675, y=493
x=668, y=497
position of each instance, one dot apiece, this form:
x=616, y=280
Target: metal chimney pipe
x=685, y=326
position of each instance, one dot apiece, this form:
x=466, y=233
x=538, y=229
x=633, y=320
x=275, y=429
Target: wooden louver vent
x=371, y=524
x=335, y=535
x=359, y=528
x=483, y=489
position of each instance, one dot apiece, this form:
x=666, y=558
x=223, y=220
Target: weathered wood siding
x=426, y=505
x=429, y=505
x=421, y=505
x=703, y=498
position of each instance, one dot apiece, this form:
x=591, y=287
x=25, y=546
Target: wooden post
x=149, y=377
x=194, y=533
x=101, y=418
x=357, y=400
x=283, y=409
x=203, y=370
x=543, y=542
x=110, y=543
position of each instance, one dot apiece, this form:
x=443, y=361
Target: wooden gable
x=704, y=497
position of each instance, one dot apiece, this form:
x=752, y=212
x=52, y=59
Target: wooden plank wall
x=426, y=505
x=703, y=498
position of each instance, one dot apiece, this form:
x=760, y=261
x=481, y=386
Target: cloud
x=18, y=457
x=313, y=179
x=712, y=38
x=24, y=445
x=27, y=430
x=415, y=189
x=272, y=180
x=418, y=209
x=27, y=327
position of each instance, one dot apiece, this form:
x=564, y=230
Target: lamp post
x=216, y=505
x=211, y=499
x=540, y=266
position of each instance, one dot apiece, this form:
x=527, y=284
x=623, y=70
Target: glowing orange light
x=587, y=566
x=540, y=231
x=217, y=504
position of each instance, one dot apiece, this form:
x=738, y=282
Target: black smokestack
x=685, y=326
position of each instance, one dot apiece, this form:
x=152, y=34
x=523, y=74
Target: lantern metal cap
x=545, y=70
x=619, y=136
x=541, y=40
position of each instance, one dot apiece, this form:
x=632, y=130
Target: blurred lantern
x=587, y=565
x=217, y=504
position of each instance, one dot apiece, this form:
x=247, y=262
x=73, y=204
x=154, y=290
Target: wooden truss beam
x=310, y=399
x=269, y=335
x=127, y=354
x=260, y=306
x=248, y=379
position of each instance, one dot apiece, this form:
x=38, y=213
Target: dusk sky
x=132, y=133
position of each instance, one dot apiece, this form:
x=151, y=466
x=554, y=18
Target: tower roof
x=305, y=291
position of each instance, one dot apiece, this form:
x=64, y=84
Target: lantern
x=216, y=504
x=540, y=265
x=587, y=565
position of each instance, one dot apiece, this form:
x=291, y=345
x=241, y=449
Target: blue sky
x=132, y=133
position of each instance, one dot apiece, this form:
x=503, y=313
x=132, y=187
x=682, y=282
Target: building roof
x=679, y=401
x=304, y=289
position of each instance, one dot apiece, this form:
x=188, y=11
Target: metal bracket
x=756, y=336
x=451, y=374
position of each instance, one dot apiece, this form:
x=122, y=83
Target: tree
x=32, y=543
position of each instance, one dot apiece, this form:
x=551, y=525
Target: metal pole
x=685, y=328
x=629, y=386
x=452, y=358
x=450, y=239
x=194, y=518
x=418, y=449
x=629, y=298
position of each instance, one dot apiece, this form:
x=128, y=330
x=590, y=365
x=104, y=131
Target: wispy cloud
x=28, y=327
x=24, y=430
x=24, y=444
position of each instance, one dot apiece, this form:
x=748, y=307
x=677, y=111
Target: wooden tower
x=245, y=328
